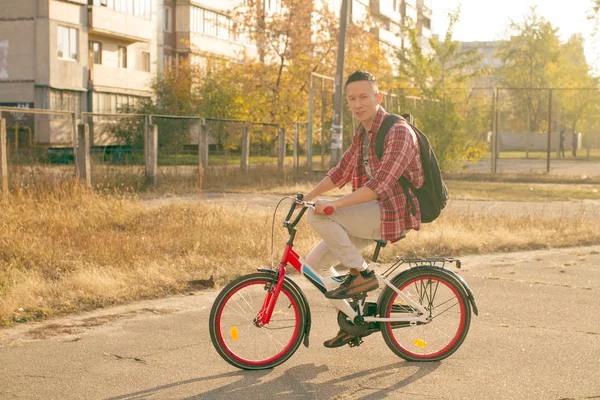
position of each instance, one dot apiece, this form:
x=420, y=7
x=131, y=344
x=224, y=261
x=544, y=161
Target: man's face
x=362, y=100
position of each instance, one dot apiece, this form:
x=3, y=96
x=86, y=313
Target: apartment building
x=391, y=16
x=424, y=15
x=99, y=55
x=76, y=55
x=197, y=29
x=489, y=60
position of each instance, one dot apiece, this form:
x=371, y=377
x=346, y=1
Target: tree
x=530, y=60
x=450, y=116
x=573, y=71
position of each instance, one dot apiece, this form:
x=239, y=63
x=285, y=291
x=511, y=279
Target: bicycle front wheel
x=244, y=343
x=448, y=310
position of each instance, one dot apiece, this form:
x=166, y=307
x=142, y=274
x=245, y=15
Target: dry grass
x=68, y=249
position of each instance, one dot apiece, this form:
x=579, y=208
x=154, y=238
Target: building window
x=122, y=62
x=168, y=61
x=96, y=52
x=167, y=19
x=146, y=61
x=139, y=8
x=211, y=23
x=67, y=44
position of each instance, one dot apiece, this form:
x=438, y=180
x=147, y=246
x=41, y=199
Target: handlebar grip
x=328, y=210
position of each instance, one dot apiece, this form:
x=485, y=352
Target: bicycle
x=259, y=320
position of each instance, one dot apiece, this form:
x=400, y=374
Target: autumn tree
x=451, y=114
x=574, y=72
x=530, y=59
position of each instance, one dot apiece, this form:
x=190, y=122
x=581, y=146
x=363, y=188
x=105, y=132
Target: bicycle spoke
x=449, y=308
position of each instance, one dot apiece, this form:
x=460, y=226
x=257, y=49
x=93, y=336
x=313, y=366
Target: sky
x=483, y=20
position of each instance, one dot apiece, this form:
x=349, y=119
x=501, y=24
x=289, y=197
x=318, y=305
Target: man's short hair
x=362, y=75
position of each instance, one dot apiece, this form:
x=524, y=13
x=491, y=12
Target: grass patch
x=69, y=249
x=514, y=191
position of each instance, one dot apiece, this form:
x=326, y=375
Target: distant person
x=561, y=149
x=574, y=142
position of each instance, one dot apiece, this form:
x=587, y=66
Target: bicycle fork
x=273, y=289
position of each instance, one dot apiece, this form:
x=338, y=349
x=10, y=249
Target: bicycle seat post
x=380, y=244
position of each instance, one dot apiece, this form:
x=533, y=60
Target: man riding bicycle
x=377, y=208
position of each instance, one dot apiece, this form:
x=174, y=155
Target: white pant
x=345, y=234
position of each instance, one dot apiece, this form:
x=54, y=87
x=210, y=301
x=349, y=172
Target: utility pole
x=337, y=120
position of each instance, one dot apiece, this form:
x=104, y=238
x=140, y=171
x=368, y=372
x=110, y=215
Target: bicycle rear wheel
x=448, y=309
x=240, y=340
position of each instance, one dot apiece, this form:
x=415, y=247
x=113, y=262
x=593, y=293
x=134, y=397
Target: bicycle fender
x=452, y=274
x=294, y=285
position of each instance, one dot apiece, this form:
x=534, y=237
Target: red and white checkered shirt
x=400, y=158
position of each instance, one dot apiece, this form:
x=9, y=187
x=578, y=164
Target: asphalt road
x=537, y=337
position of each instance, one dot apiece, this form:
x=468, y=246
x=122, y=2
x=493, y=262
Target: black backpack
x=433, y=195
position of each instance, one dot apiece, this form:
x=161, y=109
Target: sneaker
x=354, y=285
x=339, y=340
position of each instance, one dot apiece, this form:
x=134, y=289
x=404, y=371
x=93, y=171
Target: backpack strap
x=385, y=127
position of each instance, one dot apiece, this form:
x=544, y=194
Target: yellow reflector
x=234, y=333
x=420, y=343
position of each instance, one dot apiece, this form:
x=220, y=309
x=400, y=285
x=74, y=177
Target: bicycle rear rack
x=417, y=262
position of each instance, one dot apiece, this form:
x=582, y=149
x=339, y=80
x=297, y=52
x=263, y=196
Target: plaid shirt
x=400, y=158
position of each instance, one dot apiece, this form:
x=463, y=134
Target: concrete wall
x=14, y=9
x=112, y=23
x=68, y=74
x=120, y=80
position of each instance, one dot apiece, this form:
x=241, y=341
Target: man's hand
x=320, y=206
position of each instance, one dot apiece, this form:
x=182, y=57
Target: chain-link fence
x=480, y=130
x=116, y=144
x=546, y=130
x=39, y=147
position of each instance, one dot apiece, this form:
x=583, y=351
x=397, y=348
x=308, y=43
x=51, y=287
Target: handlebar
x=299, y=201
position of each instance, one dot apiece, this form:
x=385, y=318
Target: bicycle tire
x=411, y=341
x=256, y=339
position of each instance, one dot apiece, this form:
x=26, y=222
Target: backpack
x=433, y=195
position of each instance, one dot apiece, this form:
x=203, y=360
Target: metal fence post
x=152, y=155
x=83, y=154
x=197, y=129
x=549, y=130
x=295, y=152
x=245, y=160
x=495, y=134
x=3, y=159
x=281, y=149
x=74, y=139
x=203, y=144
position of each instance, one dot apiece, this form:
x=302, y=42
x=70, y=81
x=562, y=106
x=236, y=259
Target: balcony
x=385, y=9
x=409, y=14
x=423, y=42
x=424, y=31
x=425, y=12
x=224, y=47
x=388, y=37
x=121, y=78
x=106, y=22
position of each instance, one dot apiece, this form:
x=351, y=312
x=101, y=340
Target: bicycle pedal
x=355, y=342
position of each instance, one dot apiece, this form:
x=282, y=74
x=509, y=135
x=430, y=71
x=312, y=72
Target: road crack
x=118, y=357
